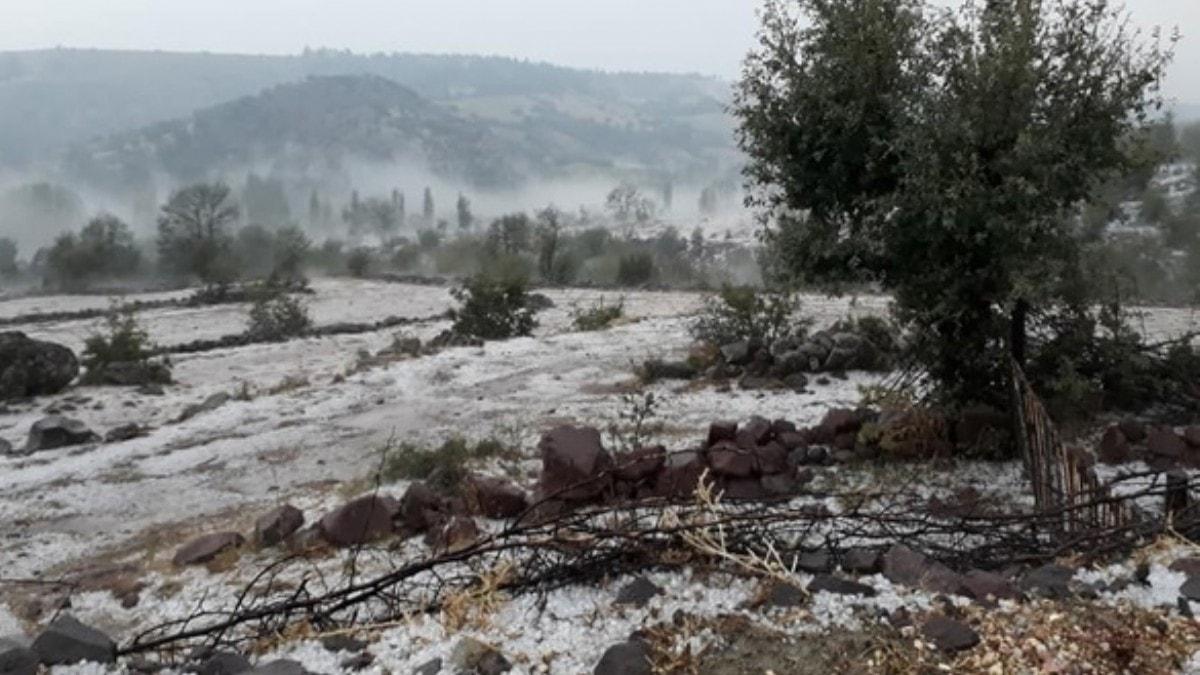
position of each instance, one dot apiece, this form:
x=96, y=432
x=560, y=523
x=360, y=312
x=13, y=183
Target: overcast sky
x=706, y=36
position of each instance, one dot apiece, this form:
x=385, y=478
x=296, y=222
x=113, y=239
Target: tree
x=398, y=207
x=465, y=219
x=193, y=233
x=427, y=209
x=549, y=229
x=8, y=257
x=104, y=249
x=708, y=201
x=943, y=155
x=628, y=207
x=1189, y=142
x=290, y=249
x=510, y=234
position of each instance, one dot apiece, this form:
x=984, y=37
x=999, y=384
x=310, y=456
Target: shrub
x=636, y=269
x=744, y=313
x=599, y=316
x=275, y=317
x=444, y=467
x=493, y=309
x=359, y=262
x=123, y=341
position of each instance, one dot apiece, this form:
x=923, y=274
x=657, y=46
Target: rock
x=862, y=561
x=33, y=367
x=1114, y=447
x=343, y=643
x=57, y=431
x=1191, y=588
x=793, y=440
x=360, y=521
x=797, y=382
x=277, y=525
x=625, y=658
x=357, y=662
x=495, y=498
x=208, y=405
x=637, y=592
x=574, y=464
x=1191, y=436
x=654, y=370
x=754, y=433
x=1164, y=443
x=784, y=595
x=780, y=484
x=729, y=460
x=817, y=455
x=6, y=448
x=680, y=475
x=151, y=390
x=456, y=534
x=125, y=432
x=281, y=667
x=772, y=458
x=982, y=586
x=721, y=431
x=16, y=658
x=949, y=635
x=738, y=353
x=1134, y=430
x=838, y=586
x=837, y=422
x=66, y=641
x=640, y=464
x=743, y=489
x=223, y=663
x=473, y=656
x=421, y=508
x=431, y=667
x=813, y=562
x=129, y=374
x=203, y=549
x=1188, y=566
x=904, y=566
x=1049, y=581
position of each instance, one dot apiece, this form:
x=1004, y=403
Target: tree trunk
x=1016, y=338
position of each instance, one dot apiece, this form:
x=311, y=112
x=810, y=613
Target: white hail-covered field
x=311, y=424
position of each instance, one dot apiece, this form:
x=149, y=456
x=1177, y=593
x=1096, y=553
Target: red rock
x=680, y=476
x=983, y=586
x=640, y=464
x=575, y=464
x=1164, y=443
x=793, y=440
x=732, y=461
x=456, y=534
x=754, y=433
x=772, y=458
x=845, y=441
x=1134, y=430
x=949, y=635
x=360, y=521
x=1114, y=447
x=841, y=421
x=722, y=431
x=495, y=498
x=1192, y=436
x=421, y=507
x=744, y=489
x=203, y=549
x=277, y=525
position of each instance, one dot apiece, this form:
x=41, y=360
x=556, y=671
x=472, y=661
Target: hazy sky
x=707, y=36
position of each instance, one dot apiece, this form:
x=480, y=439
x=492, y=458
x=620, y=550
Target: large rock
x=640, y=464
x=204, y=549
x=1114, y=447
x=1165, y=444
x=625, y=658
x=575, y=464
x=638, y=592
x=983, y=586
x=456, y=534
x=421, y=508
x=277, y=525
x=16, y=658
x=495, y=498
x=222, y=663
x=838, y=586
x=681, y=475
x=57, y=431
x=727, y=459
x=360, y=521
x=949, y=635
x=67, y=641
x=34, y=368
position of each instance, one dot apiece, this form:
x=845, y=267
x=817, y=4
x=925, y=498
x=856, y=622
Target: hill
x=52, y=100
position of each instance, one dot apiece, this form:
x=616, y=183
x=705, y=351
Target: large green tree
x=944, y=155
x=194, y=238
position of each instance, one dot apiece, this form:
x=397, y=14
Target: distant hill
x=300, y=127
x=52, y=100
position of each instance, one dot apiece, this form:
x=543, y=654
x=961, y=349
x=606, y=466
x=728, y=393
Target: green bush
x=444, y=467
x=123, y=341
x=600, y=316
x=275, y=317
x=493, y=309
x=745, y=313
x=636, y=269
x=359, y=262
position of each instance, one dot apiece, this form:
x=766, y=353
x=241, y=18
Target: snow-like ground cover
x=313, y=422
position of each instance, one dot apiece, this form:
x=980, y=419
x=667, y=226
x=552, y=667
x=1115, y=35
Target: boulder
x=125, y=432
x=495, y=498
x=1192, y=436
x=277, y=525
x=743, y=489
x=1191, y=588
x=421, y=508
x=984, y=586
x=813, y=562
x=574, y=464
x=1114, y=447
x=33, y=367
x=637, y=592
x=655, y=370
x=772, y=458
x=57, y=431
x=781, y=595
x=793, y=440
x=1133, y=429
x=456, y=534
x=836, y=585
x=1164, y=443
x=904, y=566
x=680, y=475
x=731, y=461
x=129, y=374
x=67, y=641
x=6, y=448
x=836, y=422
x=640, y=464
x=625, y=658
x=341, y=642
x=472, y=656
x=360, y=521
x=754, y=433
x=16, y=658
x=862, y=561
x=1049, y=581
x=203, y=549
x=222, y=663
x=207, y=405
x=949, y=635
x=721, y=431
x=782, y=484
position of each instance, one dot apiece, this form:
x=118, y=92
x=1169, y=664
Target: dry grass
x=474, y=607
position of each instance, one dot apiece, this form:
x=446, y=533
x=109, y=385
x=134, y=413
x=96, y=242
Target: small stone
x=343, y=643
x=1049, y=581
x=281, y=667
x=625, y=658
x=814, y=562
x=862, y=561
x=223, y=663
x=472, y=655
x=203, y=549
x=358, y=662
x=431, y=667
x=359, y=521
x=56, y=431
x=638, y=592
x=785, y=595
x=949, y=635
x=1191, y=589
